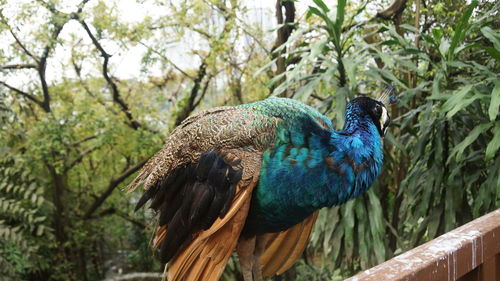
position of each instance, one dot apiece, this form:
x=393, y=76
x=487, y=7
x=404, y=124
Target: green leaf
x=444, y=46
x=409, y=27
x=473, y=135
x=39, y=230
x=322, y=5
x=437, y=33
x=317, y=47
x=494, y=144
x=340, y=16
x=460, y=29
x=263, y=69
x=495, y=102
x=492, y=52
x=492, y=36
x=392, y=140
x=322, y=15
x=456, y=101
x=350, y=68
x=305, y=91
x=428, y=39
x=275, y=79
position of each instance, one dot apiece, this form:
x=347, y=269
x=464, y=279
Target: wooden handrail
x=468, y=253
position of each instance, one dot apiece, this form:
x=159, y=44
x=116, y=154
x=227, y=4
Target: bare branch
x=202, y=70
x=136, y=276
x=87, y=89
x=112, y=85
x=41, y=62
x=163, y=56
x=396, y=8
x=283, y=34
x=80, y=158
x=114, y=211
x=190, y=106
x=203, y=91
x=259, y=42
x=202, y=32
x=18, y=66
x=77, y=143
x=80, y=8
x=42, y=65
x=26, y=95
x=130, y=219
x=111, y=186
x=49, y=6
x=18, y=41
x=318, y=97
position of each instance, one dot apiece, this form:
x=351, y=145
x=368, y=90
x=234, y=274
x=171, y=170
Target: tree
x=81, y=130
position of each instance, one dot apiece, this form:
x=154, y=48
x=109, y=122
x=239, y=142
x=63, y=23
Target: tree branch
x=80, y=158
x=168, y=60
x=87, y=89
x=130, y=219
x=19, y=41
x=111, y=186
x=24, y=94
x=202, y=70
x=114, y=211
x=111, y=84
x=42, y=65
x=136, y=276
x=283, y=34
x=396, y=8
x=18, y=66
x=77, y=143
x=41, y=62
x=203, y=91
x=192, y=96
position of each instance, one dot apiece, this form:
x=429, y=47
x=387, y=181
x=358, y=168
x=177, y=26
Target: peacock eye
x=378, y=110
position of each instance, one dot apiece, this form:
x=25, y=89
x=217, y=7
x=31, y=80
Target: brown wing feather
x=207, y=254
x=223, y=127
x=284, y=248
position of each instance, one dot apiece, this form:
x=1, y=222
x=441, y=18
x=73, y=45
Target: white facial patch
x=383, y=118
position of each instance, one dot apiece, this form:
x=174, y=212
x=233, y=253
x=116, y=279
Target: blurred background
x=90, y=89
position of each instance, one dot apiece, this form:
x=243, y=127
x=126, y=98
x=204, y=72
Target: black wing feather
x=192, y=198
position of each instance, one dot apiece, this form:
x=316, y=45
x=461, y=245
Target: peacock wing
x=284, y=248
x=219, y=128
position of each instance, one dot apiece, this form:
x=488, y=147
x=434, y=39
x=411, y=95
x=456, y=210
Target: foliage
x=24, y=227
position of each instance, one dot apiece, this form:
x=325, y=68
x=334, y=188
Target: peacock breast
x=302, y=175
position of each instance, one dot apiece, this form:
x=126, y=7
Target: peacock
x=251, y=178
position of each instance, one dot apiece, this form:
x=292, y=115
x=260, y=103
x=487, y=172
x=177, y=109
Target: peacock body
x=309, y=165
x=252, y=178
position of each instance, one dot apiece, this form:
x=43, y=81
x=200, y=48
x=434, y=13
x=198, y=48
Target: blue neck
x=360, y=146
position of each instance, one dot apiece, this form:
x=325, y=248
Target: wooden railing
x=468, y=253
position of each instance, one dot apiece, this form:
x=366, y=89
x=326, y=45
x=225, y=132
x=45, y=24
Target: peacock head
x=365, y=108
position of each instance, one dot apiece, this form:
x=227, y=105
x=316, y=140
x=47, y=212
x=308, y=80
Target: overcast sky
x=126, y=64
